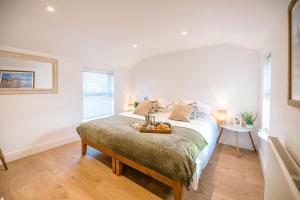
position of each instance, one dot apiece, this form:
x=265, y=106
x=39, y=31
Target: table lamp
x=221, y=116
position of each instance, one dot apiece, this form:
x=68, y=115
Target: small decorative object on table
x=249, y=119
x=237, y=121
x=130, y=107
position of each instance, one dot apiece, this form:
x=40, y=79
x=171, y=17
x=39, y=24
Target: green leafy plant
x=136, y=103
x=249, y=118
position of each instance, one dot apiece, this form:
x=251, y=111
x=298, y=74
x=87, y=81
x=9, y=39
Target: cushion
x=181, y=112
x=195, y=112
x=143, y=108
x=204, y=108
x=200, y=109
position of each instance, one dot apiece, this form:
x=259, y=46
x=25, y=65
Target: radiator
x=282, y=180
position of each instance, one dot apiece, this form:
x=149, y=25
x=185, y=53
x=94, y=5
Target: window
x=266, y=93
x=98, y=96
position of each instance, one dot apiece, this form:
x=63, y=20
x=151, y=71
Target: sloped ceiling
x=103, y=31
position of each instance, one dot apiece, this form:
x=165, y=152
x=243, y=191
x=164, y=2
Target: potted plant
x=249, y=119
x=136, y=103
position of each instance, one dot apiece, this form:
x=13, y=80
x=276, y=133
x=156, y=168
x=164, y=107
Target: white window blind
x=98, y=94
x=266, y=93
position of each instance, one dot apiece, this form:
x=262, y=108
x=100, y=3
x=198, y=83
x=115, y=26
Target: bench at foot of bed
x=117, y=166
x=104, y=150
x=176, y=185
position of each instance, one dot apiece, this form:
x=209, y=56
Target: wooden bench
x=117, y=165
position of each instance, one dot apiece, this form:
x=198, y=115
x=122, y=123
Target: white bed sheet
x=205, y=125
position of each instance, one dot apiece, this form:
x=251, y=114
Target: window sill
x=100, y=117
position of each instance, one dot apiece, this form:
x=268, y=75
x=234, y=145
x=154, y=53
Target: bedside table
x=237, y=130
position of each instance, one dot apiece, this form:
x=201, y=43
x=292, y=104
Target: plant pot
x=249, y=125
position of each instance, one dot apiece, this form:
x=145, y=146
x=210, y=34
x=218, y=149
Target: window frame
x=100, y=71
x=267, y=60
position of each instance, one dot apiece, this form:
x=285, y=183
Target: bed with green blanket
x=172, y=155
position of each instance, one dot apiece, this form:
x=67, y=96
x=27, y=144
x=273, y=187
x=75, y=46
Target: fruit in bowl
x=165, y=123
x=162, y=126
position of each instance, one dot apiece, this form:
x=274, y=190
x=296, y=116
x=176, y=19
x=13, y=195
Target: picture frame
x=17, y=79
x=294, y=54
x=237, y=121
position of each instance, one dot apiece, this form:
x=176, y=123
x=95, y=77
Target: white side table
x=237, y=129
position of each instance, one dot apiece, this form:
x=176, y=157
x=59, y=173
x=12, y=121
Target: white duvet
x=205, y=125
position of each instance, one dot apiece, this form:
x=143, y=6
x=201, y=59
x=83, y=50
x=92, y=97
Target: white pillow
x=203, y=107
x=200, y=108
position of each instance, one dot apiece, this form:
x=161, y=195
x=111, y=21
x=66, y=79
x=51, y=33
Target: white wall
x=285, y=119
x=224, y=76
x=34, y=122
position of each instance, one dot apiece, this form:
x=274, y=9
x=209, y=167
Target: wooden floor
x=62, y=173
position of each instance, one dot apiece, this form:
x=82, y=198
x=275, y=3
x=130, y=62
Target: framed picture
x=17, y=79
x=294, y=54
x=237, y=121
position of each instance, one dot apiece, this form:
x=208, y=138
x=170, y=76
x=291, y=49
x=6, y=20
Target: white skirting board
x=11, y=156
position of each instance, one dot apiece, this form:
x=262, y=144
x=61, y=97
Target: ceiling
x=103, y=31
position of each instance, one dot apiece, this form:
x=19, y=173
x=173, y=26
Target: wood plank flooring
x=62, y=173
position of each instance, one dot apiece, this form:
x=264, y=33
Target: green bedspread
x=173, y=155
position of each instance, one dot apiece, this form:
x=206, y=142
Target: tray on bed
x=162, y=131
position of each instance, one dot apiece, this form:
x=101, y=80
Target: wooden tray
x=147, y=130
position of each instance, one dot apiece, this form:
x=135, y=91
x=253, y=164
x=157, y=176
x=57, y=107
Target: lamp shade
x=221, y=116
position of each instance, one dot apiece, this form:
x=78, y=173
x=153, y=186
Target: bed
x=186, y=173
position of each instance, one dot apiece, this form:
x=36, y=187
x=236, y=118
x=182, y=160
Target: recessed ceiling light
x=184, y=33
x=135, y=46
x=50, y=8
